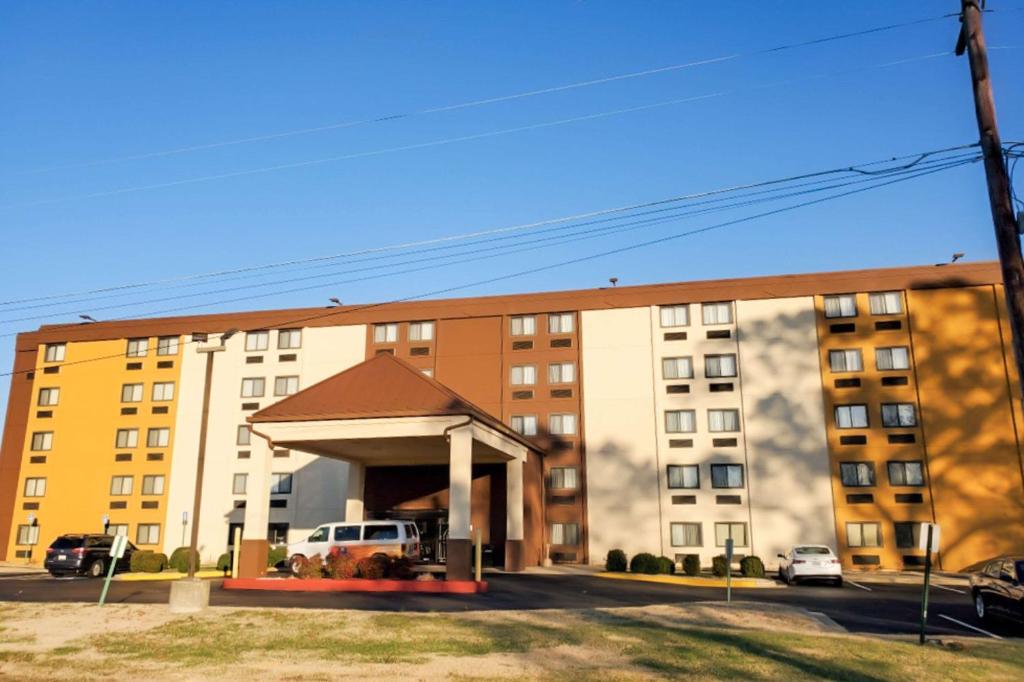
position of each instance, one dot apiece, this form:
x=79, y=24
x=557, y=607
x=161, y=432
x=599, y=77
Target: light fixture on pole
x=88, y=318
x=335, y=300
x=105, y=519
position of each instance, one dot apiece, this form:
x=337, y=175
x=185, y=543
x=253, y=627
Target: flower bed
x=356, y=585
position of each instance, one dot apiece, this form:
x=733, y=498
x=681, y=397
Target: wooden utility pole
x=972, y=41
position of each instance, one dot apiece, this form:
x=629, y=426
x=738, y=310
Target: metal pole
x=927, y=582
x=200, y=465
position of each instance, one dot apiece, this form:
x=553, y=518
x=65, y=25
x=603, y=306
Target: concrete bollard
x=189, y=596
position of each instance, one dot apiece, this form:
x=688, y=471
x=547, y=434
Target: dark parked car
x=997, y=588
x=84, y=554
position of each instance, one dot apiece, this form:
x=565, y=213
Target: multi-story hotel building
x=840, y=408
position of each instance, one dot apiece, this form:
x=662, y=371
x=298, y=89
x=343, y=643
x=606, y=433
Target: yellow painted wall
x=81, y=463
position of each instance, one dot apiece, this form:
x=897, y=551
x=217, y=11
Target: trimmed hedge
x=311, y=568
x=276, y=555
x=179, y=560
x=224, y=562
x=401, y=568
x=373, y=567
x=719, y=565
x=148, y=562
x=616, y=561
x=752, y=567
x=666, y=565
x=691, y=564
x=340, y=566
x=644, y=562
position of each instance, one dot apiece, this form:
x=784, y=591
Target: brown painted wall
x=18, y=406
x=469, y=360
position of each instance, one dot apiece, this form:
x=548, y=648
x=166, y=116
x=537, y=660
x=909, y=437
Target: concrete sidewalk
x=12, y=568
x=908, y=578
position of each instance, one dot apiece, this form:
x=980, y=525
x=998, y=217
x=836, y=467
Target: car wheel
x=295, y=563
x=57, y=574
x=95, y=569
x=838, y=582
x=980, y=607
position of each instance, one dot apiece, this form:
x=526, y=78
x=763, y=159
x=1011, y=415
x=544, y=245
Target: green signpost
x=116, y=553
x=929, y=542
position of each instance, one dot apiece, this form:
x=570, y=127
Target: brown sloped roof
x=383, y=386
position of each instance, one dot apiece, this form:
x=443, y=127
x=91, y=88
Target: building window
x=253, y=387
x=127, y=438
x=131, y=393
x=560, y=323
x=138, y=348
x=562, y=424
x=844, y=305
x=35, y=487
x=675, y=315
x=896, y=357
x=239, y=484
x=117, y=529
x=719, y=366
x=163, y=391
x=55, y=352
x=899, y=414
x=736, y=531
x=121, y=485
x=289, y=339
x=680, y=421
x=153, y=485
x=851, y=416
x=147, y=534
x=257, y=341
x=244, y=436
x=886, y=303
x=561, y=373
x=421, y=331
x=48, y=397
x=908, y=534
x=524, y=325
x=846, y=360
x=686, y=535
x=857, y=474
x=863, y=535
x=906, y=473
x=280, y=484
x=525, y=424
x=563, y=478
x=523, y=375
x=565, y=534
x=28, y=535
x=683, y=476
x=158, y=438
x=277, y=533
x=385, y=333
x=723, y=420
x=677, y=368
x=42, y=440
x=717, y=313
x=286, y=385
x=726, y=475
x=167, y=345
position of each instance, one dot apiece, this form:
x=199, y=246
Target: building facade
x=839, y=408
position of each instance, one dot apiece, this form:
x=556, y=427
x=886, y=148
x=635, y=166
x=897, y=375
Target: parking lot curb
x=165, y=575
x=692, y=581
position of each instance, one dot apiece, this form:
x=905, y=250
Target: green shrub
x=401, y=568
x=666, y=565
x=719, y=564
x=224, y=562
x=644, y=562
x=691, y=564
x=616, y=561
x=148, y=562
x=373, y=567
x=179, y=560
x=276, y=555
x=340, y=566
x=311, y=568
x=752, y=567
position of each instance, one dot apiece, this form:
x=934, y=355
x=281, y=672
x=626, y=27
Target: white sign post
x=929, y=542
x=117, y=549
x=728, y=569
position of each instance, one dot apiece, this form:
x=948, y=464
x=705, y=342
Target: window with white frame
x=525, y=424
x=257, y=341
x=121, y=485
x=723, y=420
x=563, y=478
x=280, y=484
x=153, y=484
x=137, y=348
x=286, y=385
x=42, y=441
x=158, y=438
x=239, y=484
x=127, y=438
x=385, y=333
x=523, y=375
x=896, y=357
x=686, y=534
x=846, y=360
x=48, y=397
x=35, y=487
x=717, y=313
x=117, y=529
x=167, y=345
x=726, y=475
x=675, y=315
x=683, y=476
x=523, y=325
x=899, y=414
x=147, y=534
x=906, y=473
x=843, y=305
x=163, y=391
x=421, y=331
x=55, y=352
x=244, y=436
x=861, y=534
x=289, y=339
x=736, y=531
x=561, y=373
x=565, y=534
x=677, y=368
x=560, y=323
x=562, y=424
x=886, y=303
x=131, y=393
x=851, y=416
x=857, y=474
x=28, y=535
x=253, y=387
x=680, y=421
x=716, y=366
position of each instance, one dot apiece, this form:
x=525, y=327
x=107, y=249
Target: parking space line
x=863, y=587
x=969, y=626
x=951, y=589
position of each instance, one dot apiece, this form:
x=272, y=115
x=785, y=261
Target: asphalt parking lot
x=873, y=608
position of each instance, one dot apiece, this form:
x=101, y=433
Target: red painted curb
x=356, y=585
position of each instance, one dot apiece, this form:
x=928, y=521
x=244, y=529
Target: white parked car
x=810, y=562
x=359, y=540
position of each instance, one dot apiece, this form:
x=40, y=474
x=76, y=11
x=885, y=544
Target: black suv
x=998, y=588
x=84, y=554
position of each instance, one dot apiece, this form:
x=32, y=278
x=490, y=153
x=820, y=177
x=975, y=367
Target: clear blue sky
x=86, y=81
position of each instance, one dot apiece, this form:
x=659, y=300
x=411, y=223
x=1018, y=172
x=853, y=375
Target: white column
x=354, y=492
x=514, y=499
x=460, y=470
x=257, y=491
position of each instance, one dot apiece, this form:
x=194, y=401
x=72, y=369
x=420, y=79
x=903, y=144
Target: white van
x=359, y=540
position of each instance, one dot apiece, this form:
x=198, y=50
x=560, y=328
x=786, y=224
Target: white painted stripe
x=951, y=589
x=969, y=626
x=863, y=587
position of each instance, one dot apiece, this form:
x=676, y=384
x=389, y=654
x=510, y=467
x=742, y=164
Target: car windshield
x=813, y=550
x=67, y=542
